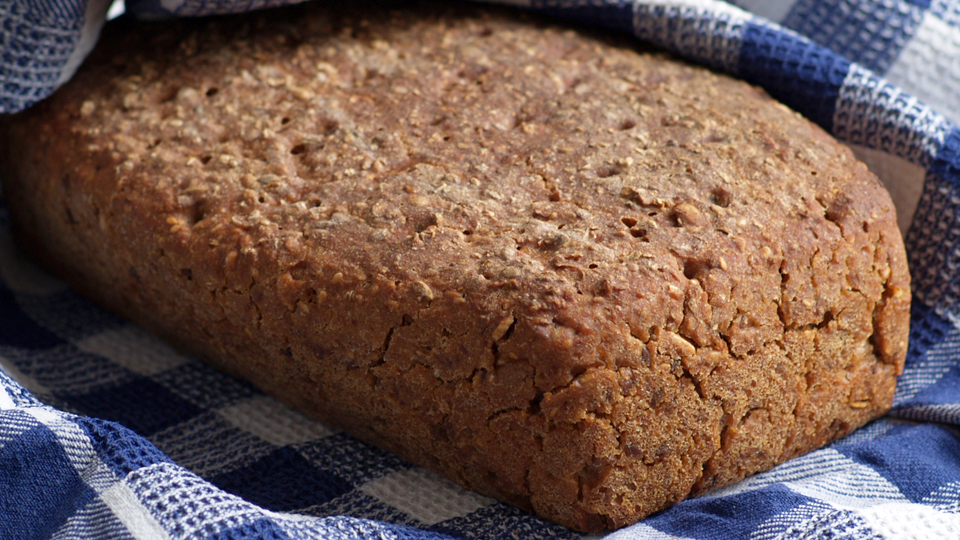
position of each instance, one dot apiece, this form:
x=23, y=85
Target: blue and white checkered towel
x=107, y=433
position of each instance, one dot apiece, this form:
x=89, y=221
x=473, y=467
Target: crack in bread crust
x=581, y=277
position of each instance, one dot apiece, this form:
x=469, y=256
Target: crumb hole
x=592, y=266
x=298, y=149
x=285, y=120
x=608, y=171
x=628, y=221
x=577, y=370
x=196, y=214
x=473, y=71
x=205, y=159
x=486, y=32
x=212, y=91
x=721, y=197
x=627, y=124
x=691, y=268
x=827, y=319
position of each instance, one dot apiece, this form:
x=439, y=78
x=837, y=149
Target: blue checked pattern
x=38, y=40
x=107, y=433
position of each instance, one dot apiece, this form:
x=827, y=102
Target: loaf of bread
x=582, y=277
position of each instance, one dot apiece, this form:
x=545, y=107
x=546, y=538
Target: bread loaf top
x=487, y=223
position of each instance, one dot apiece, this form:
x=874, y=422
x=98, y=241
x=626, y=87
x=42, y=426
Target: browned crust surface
x=584, y=279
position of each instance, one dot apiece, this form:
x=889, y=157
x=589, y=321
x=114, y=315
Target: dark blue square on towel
x=281, y=481
x=120, y=449
x=18, y=330
x=917, y=459
x=731, y=516
x=612, y=15
x=140, y=404
x=799, y=73
x=49, y=487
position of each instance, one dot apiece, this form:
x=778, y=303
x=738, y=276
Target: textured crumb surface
x=583, y=278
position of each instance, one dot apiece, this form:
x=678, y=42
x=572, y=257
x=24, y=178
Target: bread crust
x=581, y=277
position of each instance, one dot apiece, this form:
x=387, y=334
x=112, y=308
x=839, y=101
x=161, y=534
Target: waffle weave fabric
x=107, y=433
